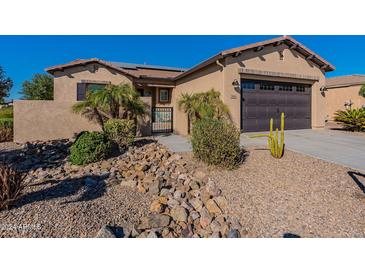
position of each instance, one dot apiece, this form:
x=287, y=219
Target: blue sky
x=23, y=56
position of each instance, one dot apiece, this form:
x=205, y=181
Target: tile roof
x=346, y=80
x=134, y=70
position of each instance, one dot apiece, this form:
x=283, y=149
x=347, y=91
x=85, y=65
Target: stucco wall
x=335, y=99
x=203, y=80
x=47, y=120
x=269, y=59
x=65, y=82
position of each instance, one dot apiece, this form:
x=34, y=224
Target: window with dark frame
x=267, y=86
x=285, y=88
x=300, y=88
x=164, y=95
x=84, y=88
x=249, y=85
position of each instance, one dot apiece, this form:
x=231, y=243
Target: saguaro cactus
x=275, y=145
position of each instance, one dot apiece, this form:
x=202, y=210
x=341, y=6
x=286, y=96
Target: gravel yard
x=294, y=196
x=77, y=206
x=67, y=210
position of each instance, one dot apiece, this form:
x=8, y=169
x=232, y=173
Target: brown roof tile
x=346, y=80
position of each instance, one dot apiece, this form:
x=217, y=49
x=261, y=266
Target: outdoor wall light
x=235, y=83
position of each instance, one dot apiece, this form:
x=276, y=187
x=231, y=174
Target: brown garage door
x=262, y=100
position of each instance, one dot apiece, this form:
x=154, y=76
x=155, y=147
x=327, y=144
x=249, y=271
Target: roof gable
x=291, y=42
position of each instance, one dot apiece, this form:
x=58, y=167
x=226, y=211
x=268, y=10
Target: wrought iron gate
x=162, y=119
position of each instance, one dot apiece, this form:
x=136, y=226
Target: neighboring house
x=256, y=82
x=342, y=92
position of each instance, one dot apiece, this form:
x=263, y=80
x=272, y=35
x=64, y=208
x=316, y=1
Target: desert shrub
x=11, y=186
x=351, y=119
x=6, y=129
x=216, y=142
x=121, y=131
x=90, y=147
x=6, y=112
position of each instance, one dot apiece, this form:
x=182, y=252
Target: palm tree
x=112, y=102
x=203, y=105
x=362, y=91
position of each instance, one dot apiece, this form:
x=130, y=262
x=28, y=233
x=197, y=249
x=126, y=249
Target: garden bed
x=295, y=196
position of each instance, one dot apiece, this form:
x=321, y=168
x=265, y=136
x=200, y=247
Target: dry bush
x=11, y=186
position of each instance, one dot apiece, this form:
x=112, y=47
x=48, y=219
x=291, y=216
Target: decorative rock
x=179, y=214
x=205, y=218
x=156, y=206
x=212, y=207
x=212, y=188
x=196, y=203
x=154, y=188
x=105, y=232
x=154, y=221
x=128, y=183
x=221, y=201
x=152, y=234
x=233, y=233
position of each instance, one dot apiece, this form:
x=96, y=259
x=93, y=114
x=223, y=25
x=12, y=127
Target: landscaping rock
x=212, y=207
x=179, y=214
x=233, y=233
x=154, y=221
x=105, y=232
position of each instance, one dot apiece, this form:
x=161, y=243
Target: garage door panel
x=258, y=106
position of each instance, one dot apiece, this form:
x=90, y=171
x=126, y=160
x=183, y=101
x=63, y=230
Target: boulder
x=233, y=233
x=212, y=207
x=205, y=217
x=179, y=214
x=154, y=221
x=105, y=232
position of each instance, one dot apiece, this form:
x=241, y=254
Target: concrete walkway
x=175, y=143
x=332, y=146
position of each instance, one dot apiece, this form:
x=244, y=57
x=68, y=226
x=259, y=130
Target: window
x=248, y=85
x=265, y=86
x=300, y=89
x=285, y=88
x=144, y=93
x=164, y=95
x=84, y=88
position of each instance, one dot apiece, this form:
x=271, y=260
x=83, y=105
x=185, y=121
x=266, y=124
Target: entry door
x=262, y=100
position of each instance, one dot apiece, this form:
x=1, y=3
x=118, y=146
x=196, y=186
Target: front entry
x=162, y=120
x=262, y=100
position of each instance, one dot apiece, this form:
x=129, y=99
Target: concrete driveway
x=332, y=146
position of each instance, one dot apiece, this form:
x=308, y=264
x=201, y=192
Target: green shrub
x=351, y=119
x=6, y=122
x=216, y=142
x=90, y=147
x=121, y=131
x=6, y=112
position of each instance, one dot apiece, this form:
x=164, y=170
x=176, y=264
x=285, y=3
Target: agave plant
x=351, y=119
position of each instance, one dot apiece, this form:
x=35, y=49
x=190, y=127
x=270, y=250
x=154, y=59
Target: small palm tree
x=362, y=91
x=112, y=102
x=203, y=105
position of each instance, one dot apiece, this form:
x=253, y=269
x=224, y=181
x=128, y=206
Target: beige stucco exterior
x=336, y=97
x=47, y=120
x=275, y=61
x=221, y=75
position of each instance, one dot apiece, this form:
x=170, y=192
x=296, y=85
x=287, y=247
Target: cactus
x=276, y=147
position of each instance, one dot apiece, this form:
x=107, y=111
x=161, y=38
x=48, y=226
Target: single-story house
x=342, y=92
x=256, y=81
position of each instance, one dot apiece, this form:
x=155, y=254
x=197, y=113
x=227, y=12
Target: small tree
x=203, y=105
x=5, y=85
x=362, y=91
x=40, y=87
x=112, y=102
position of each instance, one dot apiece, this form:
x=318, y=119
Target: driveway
x=332, y=146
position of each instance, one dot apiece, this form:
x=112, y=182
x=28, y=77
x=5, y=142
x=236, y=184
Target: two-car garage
x=262, y=100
